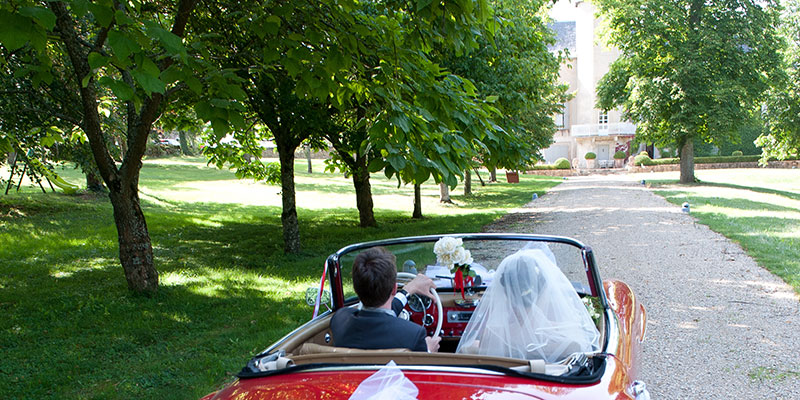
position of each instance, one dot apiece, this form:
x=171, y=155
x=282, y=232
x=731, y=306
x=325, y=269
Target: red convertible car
x=528, y=317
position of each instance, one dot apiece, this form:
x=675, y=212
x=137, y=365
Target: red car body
x=625, y=330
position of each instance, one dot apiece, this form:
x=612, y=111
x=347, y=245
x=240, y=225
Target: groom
x=375, y=325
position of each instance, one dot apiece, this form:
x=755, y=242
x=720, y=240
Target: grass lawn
x=758, y=208
x=71, y=329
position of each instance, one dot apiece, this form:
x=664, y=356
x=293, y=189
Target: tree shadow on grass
x=84, y=335
x=677, y=197
x=783, y=193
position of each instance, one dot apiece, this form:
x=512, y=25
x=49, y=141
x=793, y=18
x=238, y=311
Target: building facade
x=583, y=128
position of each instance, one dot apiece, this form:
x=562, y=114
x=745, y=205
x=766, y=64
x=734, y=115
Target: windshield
x=418, y=256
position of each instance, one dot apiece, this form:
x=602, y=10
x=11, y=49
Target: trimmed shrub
x=643, y=159
x=644, y=153
x=562, y=163
x=620, y=155
x=590, y=156
x=737, y=153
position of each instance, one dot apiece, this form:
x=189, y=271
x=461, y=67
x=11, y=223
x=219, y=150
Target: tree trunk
x=363, y=193
x=185, y=148
x=94, y=182
x=307, y=148
x=479, y=177
x=687, y=161
x=417, y=202
x=467, y=183
x=135, y=250
x=493, y=175
x=291, y=226
x=444, y=193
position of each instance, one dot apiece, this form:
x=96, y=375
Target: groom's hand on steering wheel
x=433, y=343
x=420, y=285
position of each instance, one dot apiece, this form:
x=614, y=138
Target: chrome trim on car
x=612, y=332
x=460, y=370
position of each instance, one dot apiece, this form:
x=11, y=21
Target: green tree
x=138, y=54
x=304, y=64
x=516, y=71
x=689, y=68
x=782, y=111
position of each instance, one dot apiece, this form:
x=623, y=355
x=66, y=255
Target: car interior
x=313, y=344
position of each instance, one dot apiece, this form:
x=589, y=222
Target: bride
x=530, y=311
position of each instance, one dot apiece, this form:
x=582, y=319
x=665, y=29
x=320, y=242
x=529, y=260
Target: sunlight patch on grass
x=178, y=317
x=738, y=212
x=206, y=222
x=94, y=264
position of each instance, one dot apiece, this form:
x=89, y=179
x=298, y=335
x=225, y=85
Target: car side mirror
x=313, y=292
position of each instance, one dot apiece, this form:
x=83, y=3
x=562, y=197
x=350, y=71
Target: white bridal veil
x=530, y=311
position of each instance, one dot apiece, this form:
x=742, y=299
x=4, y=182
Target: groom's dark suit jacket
x=373, y=329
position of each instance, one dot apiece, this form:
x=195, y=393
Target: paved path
x=719, y=326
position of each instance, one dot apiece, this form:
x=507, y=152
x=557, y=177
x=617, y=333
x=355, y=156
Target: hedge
x=716, y=160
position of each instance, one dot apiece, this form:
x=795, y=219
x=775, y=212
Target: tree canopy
x=365, y=66
x=782, y=111
x=689, y=68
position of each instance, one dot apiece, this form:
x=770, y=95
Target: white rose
x=445, y=260
x=446, y=245
x=467, y=258
x=458, y=255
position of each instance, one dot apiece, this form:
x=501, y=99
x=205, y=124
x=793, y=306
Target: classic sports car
x=579, y=336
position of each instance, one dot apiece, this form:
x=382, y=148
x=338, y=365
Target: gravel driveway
x=719, y=326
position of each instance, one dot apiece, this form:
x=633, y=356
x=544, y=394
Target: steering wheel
x=407, y=277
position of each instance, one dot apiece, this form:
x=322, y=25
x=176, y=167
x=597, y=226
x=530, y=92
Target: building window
x=560, y=119
x=602, y=121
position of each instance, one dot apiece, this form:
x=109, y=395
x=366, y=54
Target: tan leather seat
x=313, y=348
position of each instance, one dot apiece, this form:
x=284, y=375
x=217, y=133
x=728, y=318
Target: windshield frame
x=335, y=268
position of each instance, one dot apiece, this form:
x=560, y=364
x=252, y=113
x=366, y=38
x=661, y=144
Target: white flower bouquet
x=450, y=253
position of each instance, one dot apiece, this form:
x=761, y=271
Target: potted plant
x=619, y=159
x=512, y=176
x=590, y=159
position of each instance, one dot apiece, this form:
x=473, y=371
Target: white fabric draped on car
x=530, y=311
